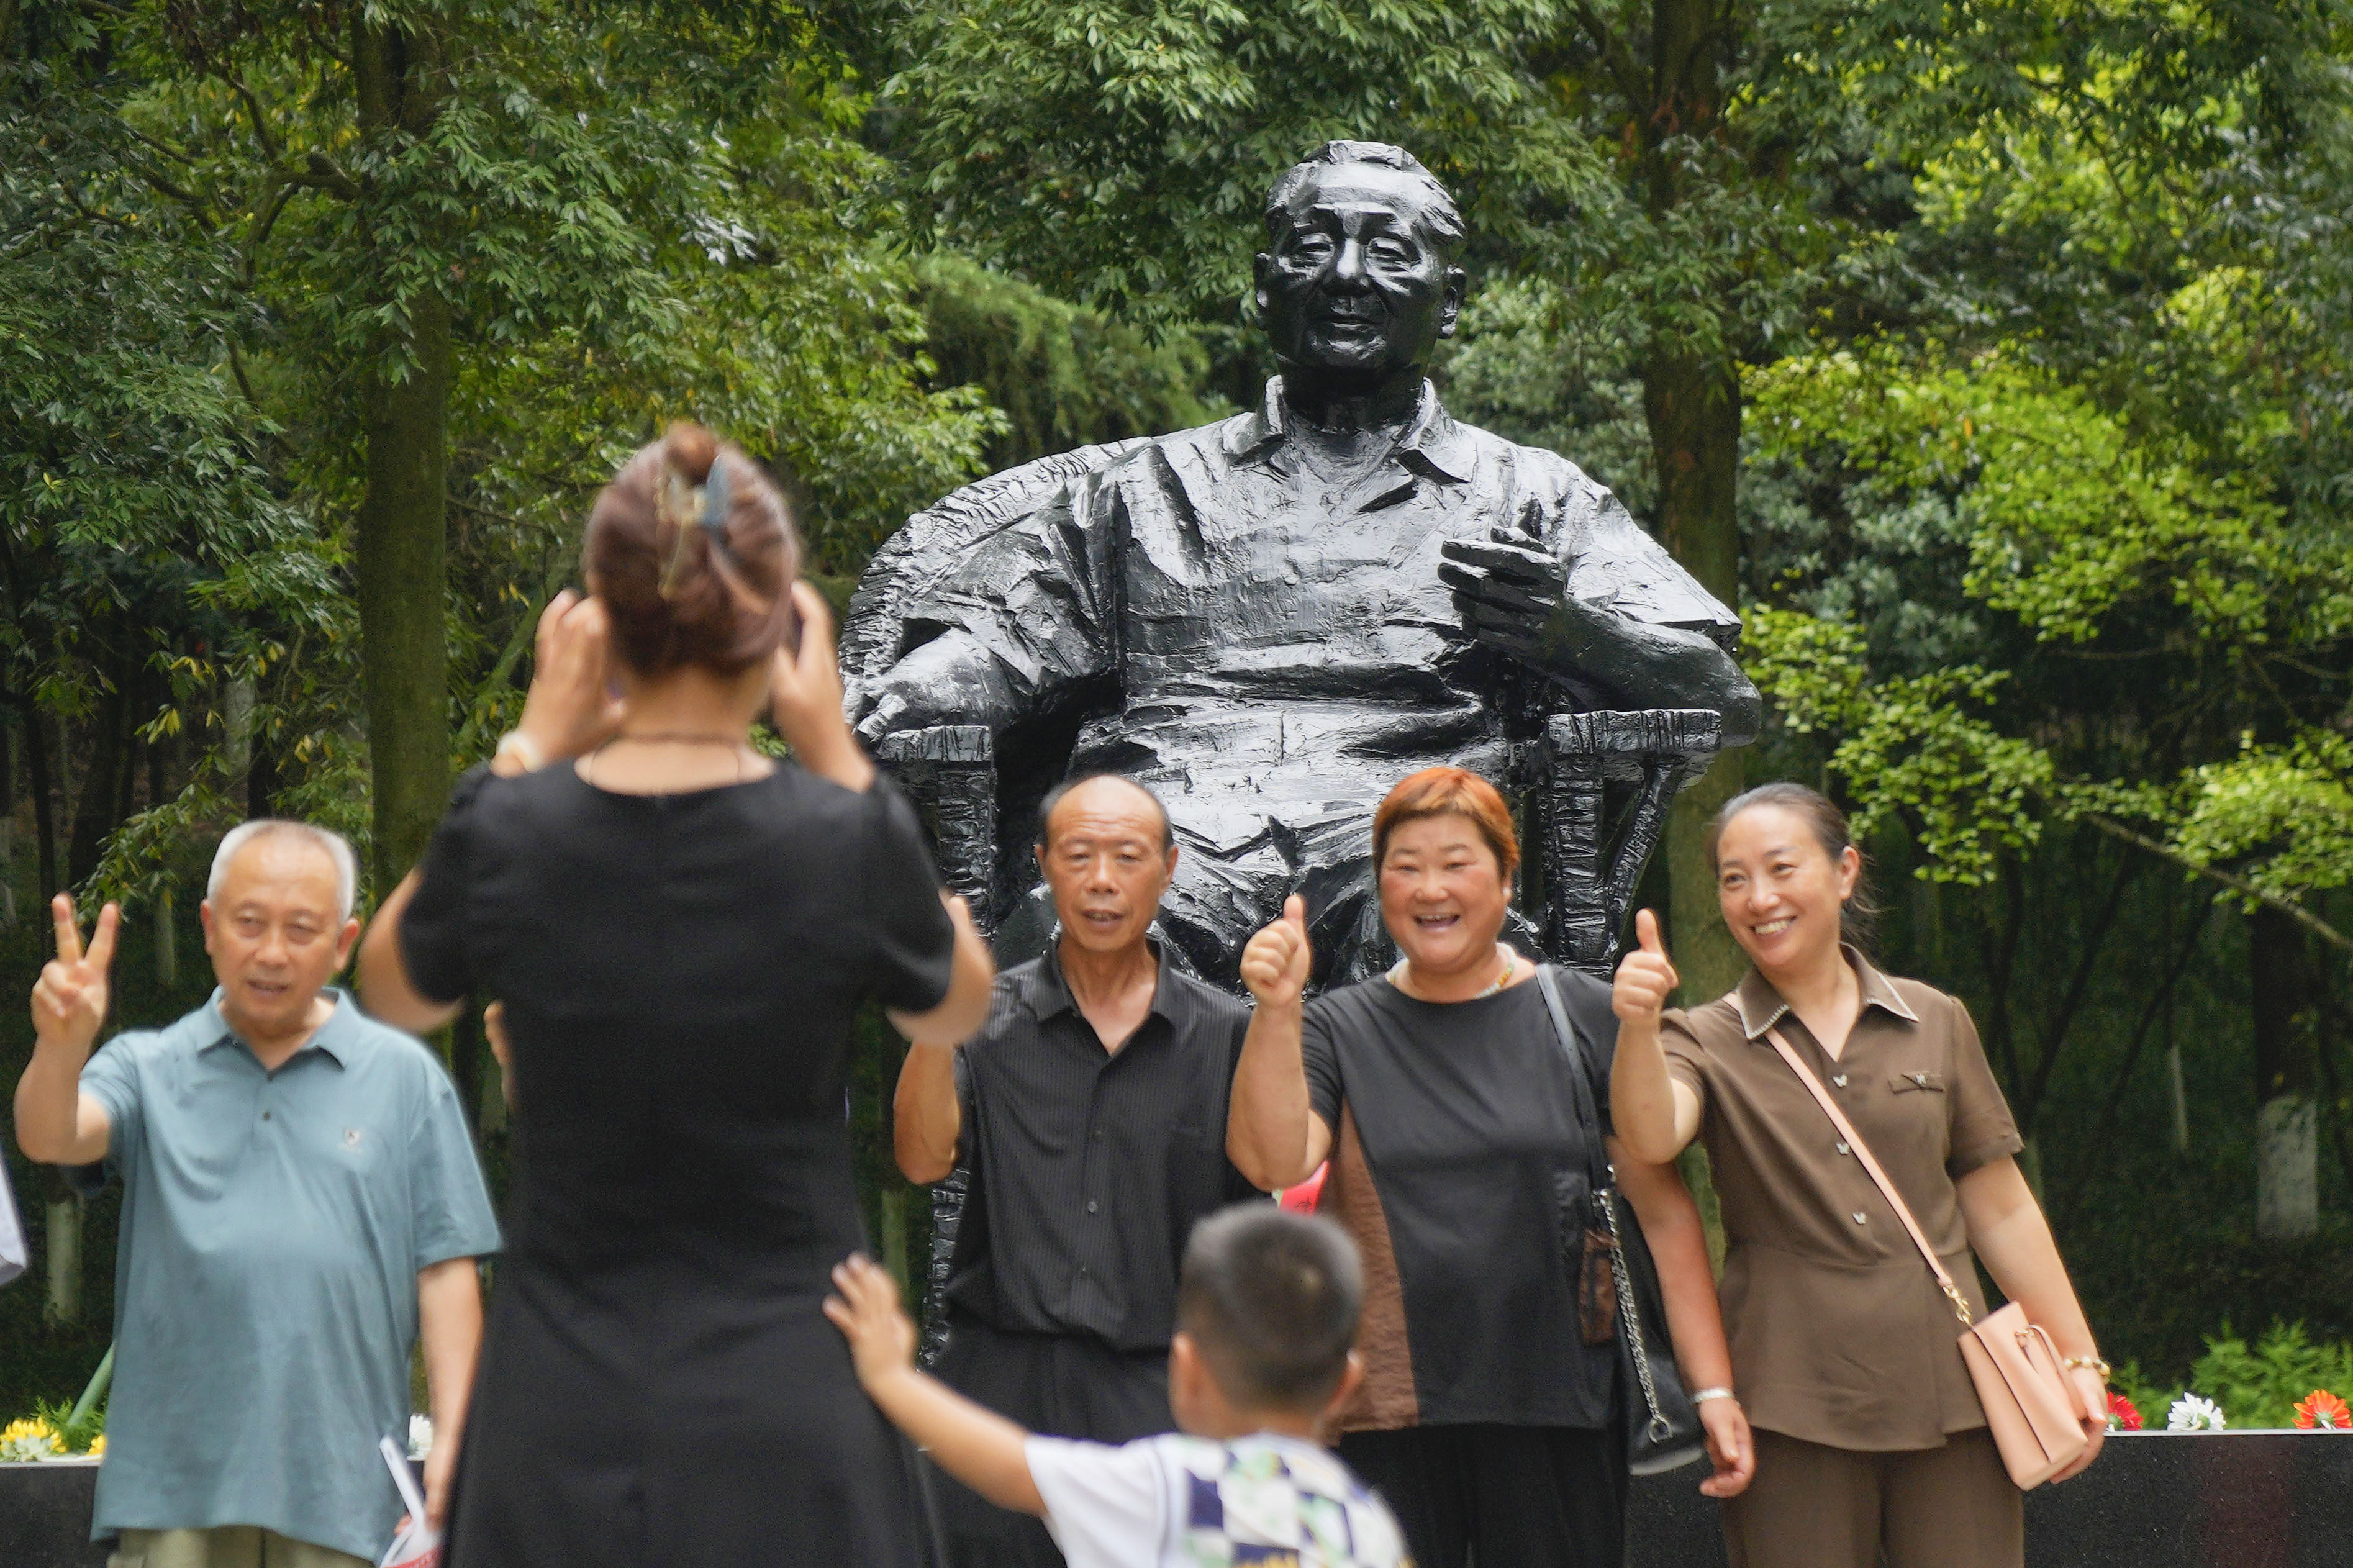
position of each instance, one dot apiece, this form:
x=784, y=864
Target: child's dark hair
x=1859, y=916
x=1270, y=1299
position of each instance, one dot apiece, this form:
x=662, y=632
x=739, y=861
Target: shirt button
x=1092, y=1207
x=1097, y=1135
x=1840, y=1081
x=1842, y=1148
x=265, y=1116
x=1858, y=1217
x=1921, y=1079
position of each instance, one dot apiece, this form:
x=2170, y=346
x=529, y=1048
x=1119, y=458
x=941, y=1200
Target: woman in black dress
x=680, y=930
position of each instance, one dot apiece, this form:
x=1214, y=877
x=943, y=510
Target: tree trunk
x=100, y=794
x=1693, y=409
x=1691, y=401
x=403, y=511
x=43, y=782
x=2287, y=1144
x=62, y=1243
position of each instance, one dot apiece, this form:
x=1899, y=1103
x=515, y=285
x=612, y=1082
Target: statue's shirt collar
x=1432, y=443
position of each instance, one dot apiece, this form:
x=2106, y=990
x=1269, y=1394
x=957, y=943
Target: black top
x=1090, y=1168
x=1468, y=1118
x=659, y=1383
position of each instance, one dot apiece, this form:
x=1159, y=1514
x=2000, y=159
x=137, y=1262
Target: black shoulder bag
x=1618, y=1293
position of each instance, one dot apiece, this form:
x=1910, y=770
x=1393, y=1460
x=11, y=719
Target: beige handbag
x=2031, y=1406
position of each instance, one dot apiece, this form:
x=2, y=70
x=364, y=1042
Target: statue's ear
x=1259, y=265
x=1457, y=283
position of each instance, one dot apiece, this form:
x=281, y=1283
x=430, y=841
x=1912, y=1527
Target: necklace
x=667, y=738
x=1510, y=966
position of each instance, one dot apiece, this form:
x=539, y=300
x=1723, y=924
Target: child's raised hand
x=881, y=1336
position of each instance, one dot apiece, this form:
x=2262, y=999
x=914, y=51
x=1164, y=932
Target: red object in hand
x=2122, y=1413
x=1301, y=1199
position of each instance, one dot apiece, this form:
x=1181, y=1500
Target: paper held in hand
x=419, y=1545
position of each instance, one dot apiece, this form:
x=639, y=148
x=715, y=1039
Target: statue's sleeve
x=994, y=604
x=1612, y=563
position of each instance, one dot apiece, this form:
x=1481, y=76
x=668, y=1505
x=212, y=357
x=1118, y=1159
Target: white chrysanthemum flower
x=420, y=1437
x=2192, y=1414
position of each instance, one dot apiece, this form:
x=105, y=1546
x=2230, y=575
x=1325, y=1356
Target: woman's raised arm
x=1272, y=1135
x=1654, y=1115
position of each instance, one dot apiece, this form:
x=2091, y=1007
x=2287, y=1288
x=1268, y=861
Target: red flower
x=2122, y=1416
x=2324, y=1410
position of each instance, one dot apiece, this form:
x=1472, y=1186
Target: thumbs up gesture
x=1646, y=977
x=69, y=998
x=1275, y=965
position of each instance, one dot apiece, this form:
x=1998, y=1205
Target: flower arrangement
x=2192, y=1414
x=51, y=1433
x=2124, y=1416
x=2323, y=1411
x=29, y=1439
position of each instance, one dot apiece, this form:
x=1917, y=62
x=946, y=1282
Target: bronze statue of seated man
x=1274, y=617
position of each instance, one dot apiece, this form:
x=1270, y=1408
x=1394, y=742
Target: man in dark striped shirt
x=1092, y=1113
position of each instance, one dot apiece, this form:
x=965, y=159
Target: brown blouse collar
x=1760, y=1007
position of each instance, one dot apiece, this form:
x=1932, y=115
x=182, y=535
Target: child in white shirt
x=1266, y=1312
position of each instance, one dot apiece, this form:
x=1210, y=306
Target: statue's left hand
x=1514, y=597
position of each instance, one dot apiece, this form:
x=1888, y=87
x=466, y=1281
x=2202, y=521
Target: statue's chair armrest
x=1589, y=871
x=949, y=770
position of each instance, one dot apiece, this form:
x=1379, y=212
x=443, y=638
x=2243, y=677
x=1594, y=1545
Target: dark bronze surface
x=1275, y=617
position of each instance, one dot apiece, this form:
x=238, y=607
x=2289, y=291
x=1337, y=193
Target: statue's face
x=1356, y=283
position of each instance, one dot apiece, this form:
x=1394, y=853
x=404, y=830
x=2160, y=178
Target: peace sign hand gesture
x=69, y=999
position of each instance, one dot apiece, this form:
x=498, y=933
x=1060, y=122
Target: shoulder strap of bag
x=1579, y=1068
x=1871, y=1165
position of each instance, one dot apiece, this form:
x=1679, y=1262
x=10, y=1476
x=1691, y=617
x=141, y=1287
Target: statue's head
x=1358, y=273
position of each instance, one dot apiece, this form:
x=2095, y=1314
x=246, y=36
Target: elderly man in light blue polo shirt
x=301, y=1204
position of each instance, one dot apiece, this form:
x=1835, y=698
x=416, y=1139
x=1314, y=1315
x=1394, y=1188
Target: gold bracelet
x=2088, y=1364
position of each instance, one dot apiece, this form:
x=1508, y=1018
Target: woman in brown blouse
x=1869, y=1433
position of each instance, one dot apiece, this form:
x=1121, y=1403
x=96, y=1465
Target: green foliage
x=2066, y=514
x=73, y=1437
x=2077, y=531
x=1119, y=152
x=1063, y=376
x=2257, y=1386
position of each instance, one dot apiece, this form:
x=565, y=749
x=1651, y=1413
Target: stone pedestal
x=2207, y=1500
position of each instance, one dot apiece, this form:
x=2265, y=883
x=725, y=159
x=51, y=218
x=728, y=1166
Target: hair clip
x=685, y=507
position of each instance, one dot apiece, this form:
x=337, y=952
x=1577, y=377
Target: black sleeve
x=911, y=953
x=1586, y=998
x=1318, y=1052
x=435, y=945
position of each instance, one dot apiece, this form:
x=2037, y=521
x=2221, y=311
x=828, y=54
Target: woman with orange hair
x=1453, y=1119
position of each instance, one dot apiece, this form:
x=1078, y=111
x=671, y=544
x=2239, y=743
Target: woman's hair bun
x=690, y=449
x=693, y=570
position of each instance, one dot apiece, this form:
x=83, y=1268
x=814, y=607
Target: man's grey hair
x=337, y=849
x=1441, y=219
